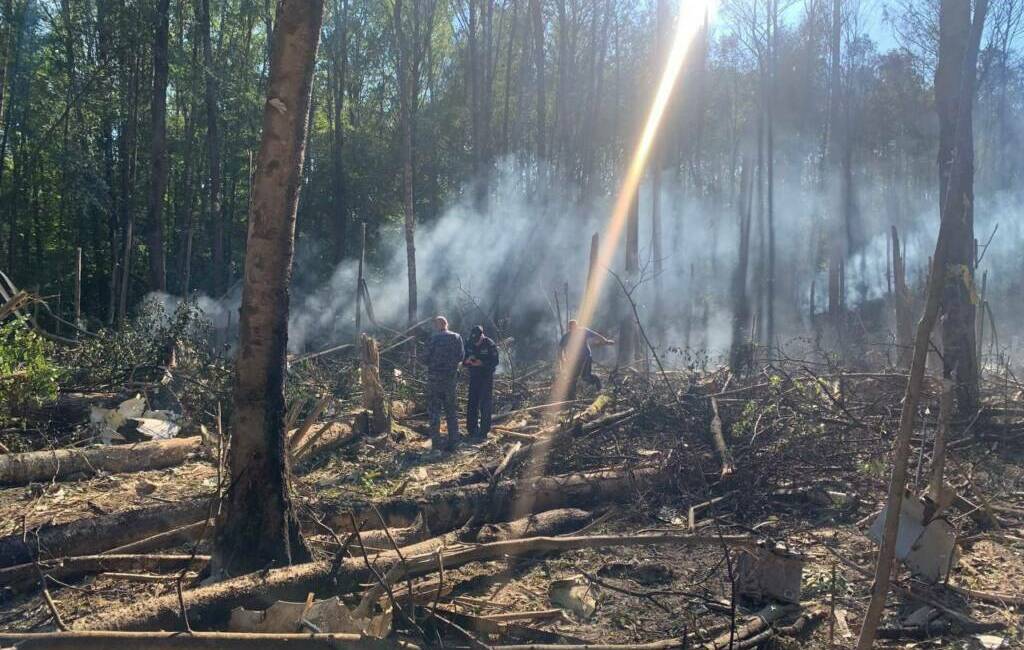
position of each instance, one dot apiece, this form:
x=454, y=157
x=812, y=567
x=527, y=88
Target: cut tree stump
x=58, y=464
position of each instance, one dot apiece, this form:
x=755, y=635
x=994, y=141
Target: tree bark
x=23, y=576
x=340, y=64
x=158, y=151
x=45, y=466
x=627, y=342
x=901, y=298
x=537, y=18
x=448, y=509
x=955, y=81
x=405, y=108
x=258, y=526
x=98, y=534
x=213, y=146
x=374, y=398
x=741, y=303
x=958, y=46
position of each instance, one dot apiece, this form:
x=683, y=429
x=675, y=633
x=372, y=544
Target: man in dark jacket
x=481, y=359
x=442, y=357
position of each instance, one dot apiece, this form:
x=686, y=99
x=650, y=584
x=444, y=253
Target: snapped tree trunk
x=955, y=81
x=958, y=47
x=901, y=298
x=374, y=399
x=258, y=526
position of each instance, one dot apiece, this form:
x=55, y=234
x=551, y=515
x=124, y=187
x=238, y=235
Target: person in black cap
x=481, y=360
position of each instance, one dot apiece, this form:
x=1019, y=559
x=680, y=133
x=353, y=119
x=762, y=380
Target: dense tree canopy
x=840, y=133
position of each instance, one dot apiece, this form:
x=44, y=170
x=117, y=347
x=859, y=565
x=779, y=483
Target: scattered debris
x=318, y=616
x=576, y=595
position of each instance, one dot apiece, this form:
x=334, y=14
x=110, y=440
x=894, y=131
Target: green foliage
x=28, y=377
x=136, y=349
x=145, y=345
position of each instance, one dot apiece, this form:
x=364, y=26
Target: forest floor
x=808, y=448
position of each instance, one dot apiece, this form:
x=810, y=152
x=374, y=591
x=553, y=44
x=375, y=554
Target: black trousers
x=481, y=402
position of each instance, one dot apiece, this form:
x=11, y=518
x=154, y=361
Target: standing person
x=442, y=357
x=584, y=367
x=481, y=359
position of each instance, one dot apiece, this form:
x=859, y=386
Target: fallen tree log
x=58, y=464
x=98, y=534
x=578, y=423
x=539, y=524
x=751, y=631
x=311, y=577
x=143, y=529
x=88, y=640
x=181, y=535
x=134, y=531
x=208, y=606
x=449, y=509
x=21, y=575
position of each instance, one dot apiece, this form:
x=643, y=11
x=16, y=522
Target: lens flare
x=692, y=16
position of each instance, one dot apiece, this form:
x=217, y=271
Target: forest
x=511, y=323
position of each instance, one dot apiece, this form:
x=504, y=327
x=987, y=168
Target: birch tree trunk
x=258, y=526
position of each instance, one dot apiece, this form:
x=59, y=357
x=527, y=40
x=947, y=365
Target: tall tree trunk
x=213, y=146
x=773, y=17
x=473, y=69
x=127, y=172
x=955, y=81
x=158, y=151
x=836, y=245
x=658, y=156
x=537, y=17
x=338, y=142
x=741, y=303
x=258, y=526
x=627, y=343
x=405, y=108
x=959, y=38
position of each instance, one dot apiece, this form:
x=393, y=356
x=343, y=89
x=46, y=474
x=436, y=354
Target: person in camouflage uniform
x=444, y=354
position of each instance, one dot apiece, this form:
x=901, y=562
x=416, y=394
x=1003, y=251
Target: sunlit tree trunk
x=258, y=526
